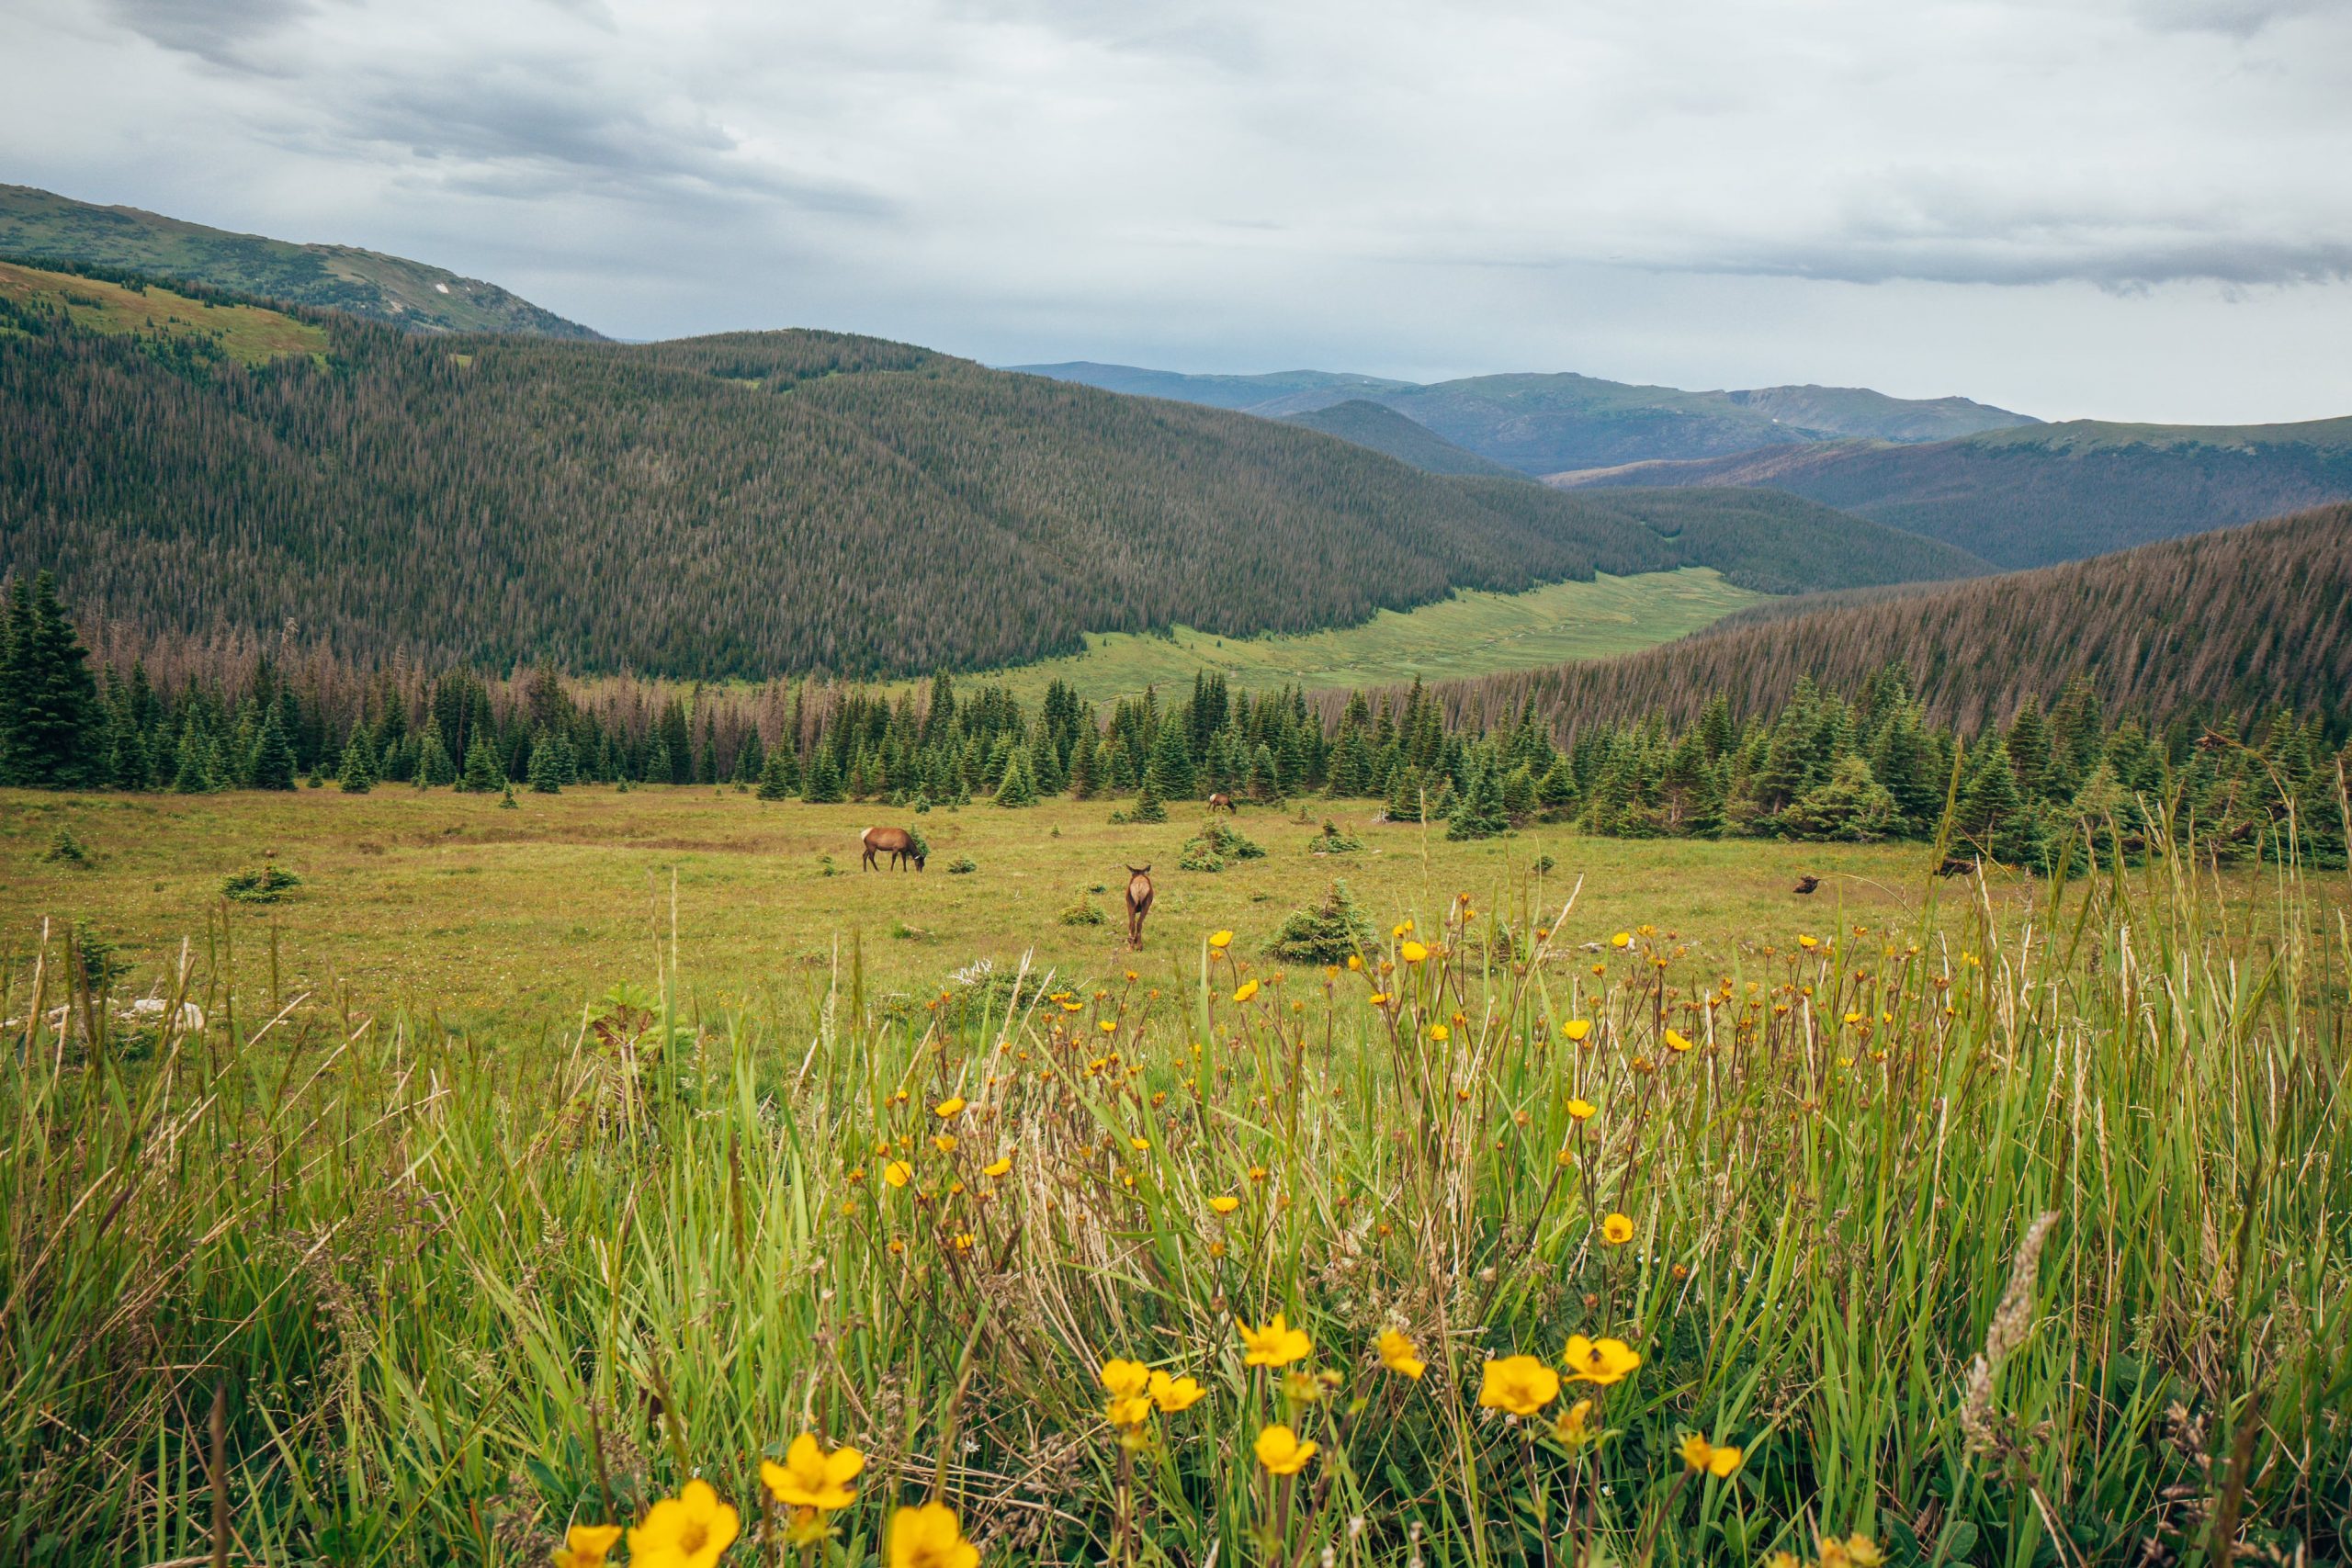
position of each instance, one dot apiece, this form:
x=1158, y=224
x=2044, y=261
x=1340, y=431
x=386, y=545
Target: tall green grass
x=302, y=1285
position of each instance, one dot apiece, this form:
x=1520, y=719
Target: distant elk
x=1138, y=902
x=1222, y=799
x=1807, y=883
x=1957, y=867
x=896, y=842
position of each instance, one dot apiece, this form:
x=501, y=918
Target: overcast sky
x=2126, y=208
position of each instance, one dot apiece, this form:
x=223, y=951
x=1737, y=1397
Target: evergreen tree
x=1150, y=804
x=1083, y=783
x=483, y=773
x=823, y=786
x=777, y=781
x=2029, y=741
x=1478, y=810
x=546, y=770
x=1851, y=805
x=1263, y=780
x=435, y=767
x=357, y=774
x=49, y=703
x=273, y=756
x=1017, y=788
x=192, y=765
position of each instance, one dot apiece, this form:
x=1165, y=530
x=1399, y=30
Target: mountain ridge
x=2031, y=497
x=42, y=226
x=1524, y=420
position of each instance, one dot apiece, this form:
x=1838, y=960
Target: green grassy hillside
x=250, y=335
x=2054, y=492
x=758, y=502
x=1384, y=430
x=37, y=225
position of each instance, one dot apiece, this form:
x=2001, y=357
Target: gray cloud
x=1414, y=187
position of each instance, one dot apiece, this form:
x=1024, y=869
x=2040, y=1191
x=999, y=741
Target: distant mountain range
x=37, y=225
x=2052, y=492
x=1544, y=423
x=2231, y=621
x=2002, y=486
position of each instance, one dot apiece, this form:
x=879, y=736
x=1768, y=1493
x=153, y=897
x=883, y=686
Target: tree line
x=1872, y=764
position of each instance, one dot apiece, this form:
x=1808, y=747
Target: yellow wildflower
x=1220, y=940
x=1001, y=1165
x=951, y=1106
x=1623, y=939
x=1600, y=1361
x=1172, y=1394
x=1576, y=1029
x=584, y=1546
x=1703, y=1455
x=1249, y=988
x=1520, y=1385
x=929, y=1537
x=1617, y=1228
x=898, y=1173
x=811, y=1478
x=689, y=1530
x=1440, y=1033
x=1572, y=1426
x=1412, y=953
x=1276, y=1345
x=1582, y=1110
x=1677, y=1040
x=1281, y=1453
x=1224, y=1203
x=1400, y=1355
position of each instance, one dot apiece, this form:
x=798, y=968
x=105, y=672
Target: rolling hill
x=2235, y=620
x=39, y=226
x=2046, y=493
x=1384, y=430
x=760, y=502
x=1542, y=423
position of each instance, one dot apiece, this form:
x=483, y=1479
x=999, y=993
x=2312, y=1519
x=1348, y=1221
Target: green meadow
x=1470, y=633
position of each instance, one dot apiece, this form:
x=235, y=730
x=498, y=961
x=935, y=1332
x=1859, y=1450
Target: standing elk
x=1955, y=866
x=896, y=842
x=1138, y=902
x=1225, y=800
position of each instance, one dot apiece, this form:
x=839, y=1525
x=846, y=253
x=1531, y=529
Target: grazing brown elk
x=1957, y=868
x=1807, y=883
x=1225, y=800
x=896, y=842
x=1138, y=902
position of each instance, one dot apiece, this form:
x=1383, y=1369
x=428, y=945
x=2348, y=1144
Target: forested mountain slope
x=37, y=225
x=763, y=503
x=2240, y=619
x=1386, y=430
x=2052, y=492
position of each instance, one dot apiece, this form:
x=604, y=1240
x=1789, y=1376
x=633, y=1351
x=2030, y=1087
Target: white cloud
x=1386, y=187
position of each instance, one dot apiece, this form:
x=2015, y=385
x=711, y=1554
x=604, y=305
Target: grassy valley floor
x=451, y=904
x=1470, y=633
